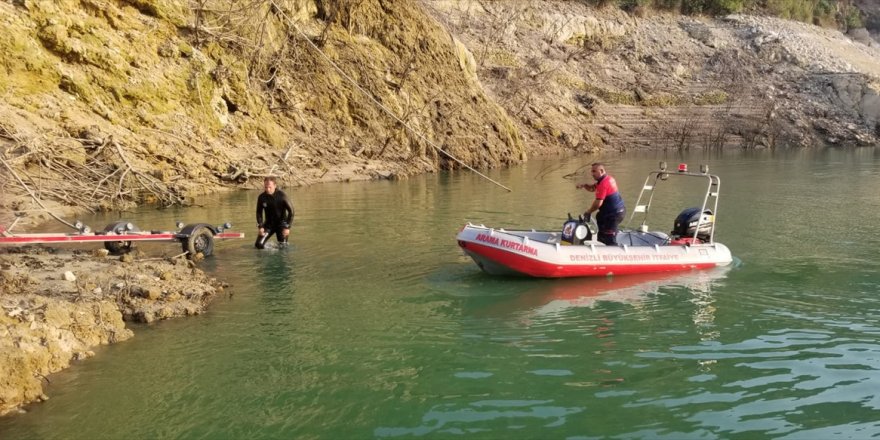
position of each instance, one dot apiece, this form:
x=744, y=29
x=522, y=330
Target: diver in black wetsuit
x=278, y=214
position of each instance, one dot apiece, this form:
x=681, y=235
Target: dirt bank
x=579, y=78
x=57, y=305
x=113, y=103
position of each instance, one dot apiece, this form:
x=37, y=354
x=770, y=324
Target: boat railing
x=710, y=197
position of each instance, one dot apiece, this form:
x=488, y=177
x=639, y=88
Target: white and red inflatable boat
x=575, y=252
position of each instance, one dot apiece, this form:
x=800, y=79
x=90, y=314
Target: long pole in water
x=376, y=101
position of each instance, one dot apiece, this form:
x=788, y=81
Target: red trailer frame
x=119, y=236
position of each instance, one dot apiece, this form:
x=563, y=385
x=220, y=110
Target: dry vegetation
x=126, y=102
x=112, y=103
x=592, y=79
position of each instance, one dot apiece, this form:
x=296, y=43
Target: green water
x=372, y=324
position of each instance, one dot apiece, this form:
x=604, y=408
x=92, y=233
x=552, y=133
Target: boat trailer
x=119, y=237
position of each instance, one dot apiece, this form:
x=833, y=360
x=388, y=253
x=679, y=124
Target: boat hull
x=540, y=254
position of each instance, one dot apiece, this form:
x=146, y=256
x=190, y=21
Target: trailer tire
x=201, y=240
x=119, y=247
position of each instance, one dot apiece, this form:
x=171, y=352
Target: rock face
x=47, y=321
x=171, y=101
x=852, y=93
x=183, y=101
x=871, y=12
x=41, y=335
x=585, y=79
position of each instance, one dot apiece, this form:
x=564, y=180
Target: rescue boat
x=575, y=251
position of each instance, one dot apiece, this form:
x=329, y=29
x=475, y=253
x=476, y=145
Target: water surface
x=372, y=324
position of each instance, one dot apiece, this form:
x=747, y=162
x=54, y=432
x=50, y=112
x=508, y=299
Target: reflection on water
x=457, y=419
x=550, y=298
x=373, y=324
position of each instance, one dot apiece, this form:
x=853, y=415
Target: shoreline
x=57, y=305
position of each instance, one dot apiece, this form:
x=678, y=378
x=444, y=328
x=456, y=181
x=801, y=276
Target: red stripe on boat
x=538, y=268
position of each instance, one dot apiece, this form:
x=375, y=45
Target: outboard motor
x=576, y=231
x=686, y=224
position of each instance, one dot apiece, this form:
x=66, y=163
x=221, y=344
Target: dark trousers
x=608, y=223
x=262, y=239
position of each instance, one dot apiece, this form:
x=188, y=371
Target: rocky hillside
x=113, y=102
x=871, y=11
x=578, y=78
x=109, y=103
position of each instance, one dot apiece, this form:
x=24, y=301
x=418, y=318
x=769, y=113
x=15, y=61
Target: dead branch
x=33, y=196
x=163, y=258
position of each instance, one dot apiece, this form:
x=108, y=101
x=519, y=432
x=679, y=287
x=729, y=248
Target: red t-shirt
x=606, y=190
x=606, y=187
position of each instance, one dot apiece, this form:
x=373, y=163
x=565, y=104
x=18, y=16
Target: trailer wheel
x=119, y=247
x=200, y=240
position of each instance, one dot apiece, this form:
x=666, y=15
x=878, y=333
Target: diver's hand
x=285, y=232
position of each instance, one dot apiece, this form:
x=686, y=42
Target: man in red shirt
x=608, y=202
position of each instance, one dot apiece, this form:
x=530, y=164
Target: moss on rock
x=137, y=70
x=712, y=97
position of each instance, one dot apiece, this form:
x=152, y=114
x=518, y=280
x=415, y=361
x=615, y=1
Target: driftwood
x=242, y=172
x=36, y=199
x=171, y=259
x=105, y=178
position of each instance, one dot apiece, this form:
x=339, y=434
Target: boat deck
x=628, y=238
